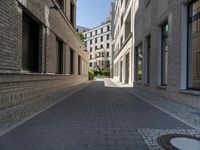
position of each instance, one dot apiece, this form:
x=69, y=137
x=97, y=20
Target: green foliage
x=106, y=73
x=81, y=36
x=101, y=73
x=91, y=75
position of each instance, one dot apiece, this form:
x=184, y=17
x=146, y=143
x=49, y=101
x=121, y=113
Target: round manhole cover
x=185, y=143
x=179, y=142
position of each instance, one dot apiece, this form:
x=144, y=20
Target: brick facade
x=18, y=86
x=148, y=21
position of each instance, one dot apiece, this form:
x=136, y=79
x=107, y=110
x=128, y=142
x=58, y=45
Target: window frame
x=189, y=21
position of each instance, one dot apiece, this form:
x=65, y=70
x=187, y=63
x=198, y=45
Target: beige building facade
x=165, y=49
x=98, y=44
x=122, y=42
x=40, y=51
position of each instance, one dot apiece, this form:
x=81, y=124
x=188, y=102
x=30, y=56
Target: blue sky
x=91, y=13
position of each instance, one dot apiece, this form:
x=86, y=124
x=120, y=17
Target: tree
x=81, y=36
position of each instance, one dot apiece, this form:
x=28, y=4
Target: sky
x=91, y=13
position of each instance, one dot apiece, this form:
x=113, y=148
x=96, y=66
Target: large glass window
x=148, y=61
x=30, y=44
x=194, y=45
x=164, y=54
x=139, y=58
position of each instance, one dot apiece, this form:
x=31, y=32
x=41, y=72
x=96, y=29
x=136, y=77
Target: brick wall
x=161, y=10
x=17, y=86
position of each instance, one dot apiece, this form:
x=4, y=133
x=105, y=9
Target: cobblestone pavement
x=99, y=117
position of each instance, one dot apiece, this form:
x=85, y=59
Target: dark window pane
x=139, y=58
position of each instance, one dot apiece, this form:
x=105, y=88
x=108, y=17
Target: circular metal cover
x=179, y=142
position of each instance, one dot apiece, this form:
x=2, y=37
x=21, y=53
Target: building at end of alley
x=40, y=50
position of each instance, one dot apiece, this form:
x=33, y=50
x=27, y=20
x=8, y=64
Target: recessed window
x=194, y=45
x=108, y=36
x=30, y=44
x=164, y=54
x=101, y=46
x=72, y=11
x=90, y=49
x=101, y=38
x=61, y=3
x=90, y=64
x=90, y=42
x=148, y=58
x=101, y=30
x=59, y=56
x=108, y=45
x=71, y=61
x=108, y=28
x=108, y=54
x=139, y=58
x=95, y=40
x=79, y=65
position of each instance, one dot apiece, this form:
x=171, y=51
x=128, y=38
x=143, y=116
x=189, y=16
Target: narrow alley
x=101, y=116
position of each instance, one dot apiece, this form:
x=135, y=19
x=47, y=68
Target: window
x=90, y=64
x=108, y=54
x=79, y=65
x=101, y=46
x=108, y=45
x=194, y=45
x=164, y=54
x=90, y=56
x=148, y=61
x=108, y=64
x=108, y=36
x=108, y=28
x=122, y=20
x=71, y=61
x=95, y=47
x=101, y=30
x=72, y=11
x=90, y=42
x=96, y=32
x=139, y=58
x=121, y=41
x=95, y=40
x=30, y=45
x=102, y=54
x=90, y=49
x=59, y=56
x=61, y=3
x=85, y=36
x=101, y=38
x=90, y=34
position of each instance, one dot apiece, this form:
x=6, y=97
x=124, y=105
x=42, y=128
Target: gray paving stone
x=95, y=118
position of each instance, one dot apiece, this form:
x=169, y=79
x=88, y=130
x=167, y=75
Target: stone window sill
x=191, y=92
x=162, y=87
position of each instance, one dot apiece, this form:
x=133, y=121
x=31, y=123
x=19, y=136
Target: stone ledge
x=191, y=92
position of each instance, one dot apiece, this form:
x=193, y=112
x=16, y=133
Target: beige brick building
x=165, y=52
x=40, y=51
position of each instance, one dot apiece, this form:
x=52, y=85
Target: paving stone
x=95, y=118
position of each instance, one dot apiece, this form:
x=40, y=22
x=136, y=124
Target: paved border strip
x=161, y=109
x=4, y=131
